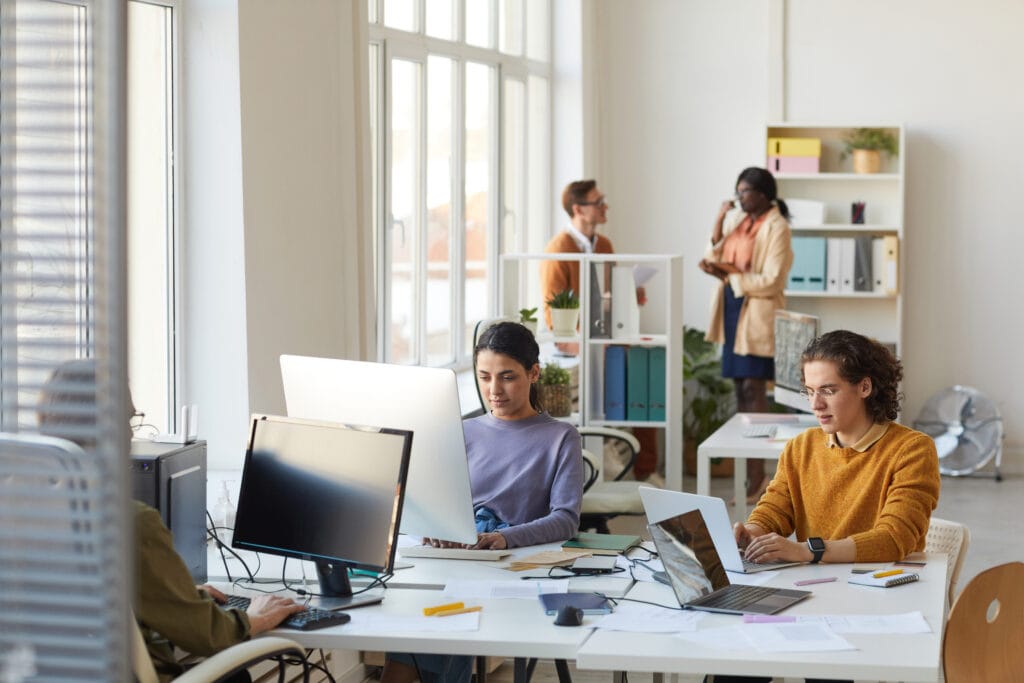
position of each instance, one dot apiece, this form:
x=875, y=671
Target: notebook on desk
x=660, y=504
x=698, y=578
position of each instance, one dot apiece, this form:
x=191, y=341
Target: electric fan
x=967, y=429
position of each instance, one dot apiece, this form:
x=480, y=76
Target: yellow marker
x=430, y=611
x=461, y=610
x=890, y=572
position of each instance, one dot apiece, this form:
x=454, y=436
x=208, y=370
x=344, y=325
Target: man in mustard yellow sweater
x=858, y=488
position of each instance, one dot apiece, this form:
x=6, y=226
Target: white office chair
x=603, y=497
x=223, y=664
x=953, y=539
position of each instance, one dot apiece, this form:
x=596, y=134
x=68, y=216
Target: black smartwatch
x=817, y=548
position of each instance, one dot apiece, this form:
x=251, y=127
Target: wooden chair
x=983, y=636
x=953, y=539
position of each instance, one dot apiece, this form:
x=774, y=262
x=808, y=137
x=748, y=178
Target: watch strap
x=817, y=547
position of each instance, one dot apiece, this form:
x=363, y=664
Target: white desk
x=728, y=442
x=883, y=657
x=424, y=573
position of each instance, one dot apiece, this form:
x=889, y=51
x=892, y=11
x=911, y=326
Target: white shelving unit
x=661, y=325
x=875, y=314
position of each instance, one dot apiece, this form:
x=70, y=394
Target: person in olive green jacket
x=171, y=610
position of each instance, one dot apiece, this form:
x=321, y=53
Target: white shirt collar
x=581, y=240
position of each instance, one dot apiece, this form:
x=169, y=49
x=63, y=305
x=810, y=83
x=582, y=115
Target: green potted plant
x=866, y=145
x=708, y=398
x=554, y=390
x=528, y=319
x=565, y=313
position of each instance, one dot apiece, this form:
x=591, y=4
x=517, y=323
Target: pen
x=808, y=582
x=890, y=572
x=430, y=611
x=461, y=610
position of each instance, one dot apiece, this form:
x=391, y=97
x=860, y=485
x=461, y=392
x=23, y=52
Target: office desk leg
x=562, y=667
x=481, y=670
x=523, y=671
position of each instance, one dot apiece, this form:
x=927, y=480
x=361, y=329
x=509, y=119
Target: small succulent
x=565, y=299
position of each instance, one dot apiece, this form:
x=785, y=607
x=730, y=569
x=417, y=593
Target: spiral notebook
x=884, y=581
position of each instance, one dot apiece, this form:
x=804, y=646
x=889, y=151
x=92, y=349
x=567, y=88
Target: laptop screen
x=689, y=556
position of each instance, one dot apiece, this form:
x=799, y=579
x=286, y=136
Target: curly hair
x=858, y=357
x=515, y=341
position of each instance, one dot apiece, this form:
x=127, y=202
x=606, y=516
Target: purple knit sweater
x=530, y=473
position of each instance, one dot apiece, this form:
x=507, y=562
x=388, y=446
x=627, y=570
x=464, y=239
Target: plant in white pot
x=866, y=145
x=565, y=313
x=554, y=390
x=528, y=319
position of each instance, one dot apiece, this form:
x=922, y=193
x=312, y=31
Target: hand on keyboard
x=303, y=619
x=265, y=611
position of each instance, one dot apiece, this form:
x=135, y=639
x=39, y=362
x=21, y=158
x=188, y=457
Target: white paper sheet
x=649, y=619
x=909, y=622
x=486, y=590
x=794, y=637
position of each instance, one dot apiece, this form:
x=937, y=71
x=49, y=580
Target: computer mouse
x=569, y=616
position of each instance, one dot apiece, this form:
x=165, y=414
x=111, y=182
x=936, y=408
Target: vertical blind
x=63, y=582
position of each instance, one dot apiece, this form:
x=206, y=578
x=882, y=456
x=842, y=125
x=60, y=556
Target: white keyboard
x=758, y=430
x=453, y=553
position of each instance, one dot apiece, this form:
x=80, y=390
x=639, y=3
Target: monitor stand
x=336, y=591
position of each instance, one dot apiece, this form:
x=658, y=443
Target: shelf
x=844, y=177
x=626, y=423
x=642, y=340
x=847, y=227
x=801, y=294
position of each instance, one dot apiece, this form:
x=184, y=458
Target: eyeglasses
x=745, y=191
x=600, y=201
x=824, y=392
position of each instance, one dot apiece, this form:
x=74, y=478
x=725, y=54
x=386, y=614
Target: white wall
x=684, y=93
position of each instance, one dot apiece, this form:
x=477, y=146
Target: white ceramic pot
x=564, y=321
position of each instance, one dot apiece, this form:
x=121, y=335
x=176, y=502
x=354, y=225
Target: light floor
x=987, y=507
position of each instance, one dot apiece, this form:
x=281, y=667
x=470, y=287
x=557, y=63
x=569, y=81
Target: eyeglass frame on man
x=603, y=201
x=825, y=392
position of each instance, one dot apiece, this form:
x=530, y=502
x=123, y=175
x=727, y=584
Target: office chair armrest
x=590, y=470
x=239, y=657
x=611, y=433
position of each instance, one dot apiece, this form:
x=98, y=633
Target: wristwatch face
x=816, y=544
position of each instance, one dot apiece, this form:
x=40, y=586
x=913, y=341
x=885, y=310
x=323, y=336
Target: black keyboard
x=308, y=619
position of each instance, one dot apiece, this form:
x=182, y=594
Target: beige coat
x=762, y=287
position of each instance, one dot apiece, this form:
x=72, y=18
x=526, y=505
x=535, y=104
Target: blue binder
x=637, y=364
x=615, y=383
x=656, y=383
x=808, y=271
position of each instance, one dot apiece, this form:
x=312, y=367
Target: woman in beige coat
x=750, y=254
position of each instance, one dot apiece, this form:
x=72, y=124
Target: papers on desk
x=466, y=589
x=649, y=619
x=911, y=622
x=373, y=622
x=785, y=637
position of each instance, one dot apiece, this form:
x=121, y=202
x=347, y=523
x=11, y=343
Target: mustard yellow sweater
x=882, y=497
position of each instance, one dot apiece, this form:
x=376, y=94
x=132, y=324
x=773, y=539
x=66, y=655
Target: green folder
x=636, y=384
x=656, y=384
x=602, y=544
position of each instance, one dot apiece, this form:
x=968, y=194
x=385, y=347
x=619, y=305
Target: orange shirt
x=738, y=248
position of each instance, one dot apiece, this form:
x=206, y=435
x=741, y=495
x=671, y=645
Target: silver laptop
x=660, y=504
x=698, y=577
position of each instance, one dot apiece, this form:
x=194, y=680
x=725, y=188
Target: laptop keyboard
x=737, y=596
x=309, y=619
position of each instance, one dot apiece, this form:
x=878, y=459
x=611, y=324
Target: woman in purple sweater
x=525, y=471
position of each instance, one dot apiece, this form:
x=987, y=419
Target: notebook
x=590, y=603
x=698, y=577
x=883, y=581
x=602, y=544
x=660, y=504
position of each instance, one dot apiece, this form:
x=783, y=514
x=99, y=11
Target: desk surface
x=884, y=657
x=728, y=442
x=508, y=628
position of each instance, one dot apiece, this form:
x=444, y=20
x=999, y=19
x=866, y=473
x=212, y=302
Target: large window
x=152, y=210
x=460, y=108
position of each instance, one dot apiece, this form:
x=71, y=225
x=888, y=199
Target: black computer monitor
x=793, y=332
x=324, y=492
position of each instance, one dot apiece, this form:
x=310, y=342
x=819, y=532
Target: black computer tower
x=172, y=479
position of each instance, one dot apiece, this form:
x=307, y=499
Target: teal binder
x=808, y=270
x=636, y=383
x=656, y=384
x=615, y=383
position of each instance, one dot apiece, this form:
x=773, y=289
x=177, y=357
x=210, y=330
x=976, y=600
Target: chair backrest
x=982, y=641
x=142, y=664
x=952, y=538
x=55, y=576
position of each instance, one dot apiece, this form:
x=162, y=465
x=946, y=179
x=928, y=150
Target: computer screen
x=324, y=492
x=793, y=332
x=438, y=501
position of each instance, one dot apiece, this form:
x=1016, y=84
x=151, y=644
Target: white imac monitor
x=793, y=332
x=438, y=501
